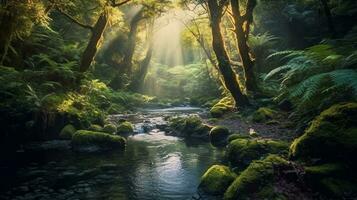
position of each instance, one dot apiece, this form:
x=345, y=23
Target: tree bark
x=242, y=27
x=229, y=76
x=126, y=64
x=92, y=47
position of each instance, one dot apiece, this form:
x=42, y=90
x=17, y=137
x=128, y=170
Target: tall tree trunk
x=92, y=47
x=126, y=64
x=229, y=76
x=242, y=26
x=327, y=11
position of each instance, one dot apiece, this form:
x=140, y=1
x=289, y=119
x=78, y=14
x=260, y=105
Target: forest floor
x=280, y=128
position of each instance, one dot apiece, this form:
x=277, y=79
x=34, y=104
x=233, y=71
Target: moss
x=67, y=132
x=264, y=114
x=338, y=188
x=241, y=152
x=236, y=136
x=95, y=127
x=256, y=181
x=218, y=135
x=191, y=126
x=216, y=179
x=222, y=107
x=332, y=136
x=109, y=128
x=331, y=179
x=83, y=138
x=125, y=128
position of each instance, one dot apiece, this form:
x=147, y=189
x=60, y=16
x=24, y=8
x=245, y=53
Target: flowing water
x=154, y=166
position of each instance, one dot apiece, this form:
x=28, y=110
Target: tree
x=96, y=32
x=327, y=11
x=17, y=20
x=229, y=76
x=148, y=10
x=242, y=24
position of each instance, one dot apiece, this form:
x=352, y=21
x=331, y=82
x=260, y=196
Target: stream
x=154, y=165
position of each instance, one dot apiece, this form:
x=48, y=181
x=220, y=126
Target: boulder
x=257, y=180
x=216, y=180
x=125, y=128
x=84, y=138
x=67, y=132
x=332, y=136
x=110, y=128
x=218, y=135
x=264, y=114
x=241, y=152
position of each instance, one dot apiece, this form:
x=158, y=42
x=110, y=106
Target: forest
x=178, y=99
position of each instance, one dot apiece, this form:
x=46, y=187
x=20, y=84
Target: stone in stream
x=218, y=136
x=90, y=140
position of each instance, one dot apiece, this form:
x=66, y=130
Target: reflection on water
x=153, y=167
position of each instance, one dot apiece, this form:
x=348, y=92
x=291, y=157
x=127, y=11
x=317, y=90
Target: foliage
x=318, y=76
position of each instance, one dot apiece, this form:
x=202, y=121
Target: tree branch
x=74, y=20
x=119, y=4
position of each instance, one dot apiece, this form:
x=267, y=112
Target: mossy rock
x=216, y=180
x=332, y=136
x=125, y=128
x=218, y=135
x=67, y=132
x=338, y=188
x=190, y=127
x=241, y=152
x=331, y=179
x=257, y=180
x=95, y=127
x=236, y=136
x=218, y=111
x=264, y=114
x=84, y=138
x=222, y=107
x=110, y=128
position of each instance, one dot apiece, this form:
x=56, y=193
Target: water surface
x=154, y=166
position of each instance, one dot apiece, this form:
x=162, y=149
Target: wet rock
x=241, y=152
x=332, y=136
x=218, y=135
x=92, y=141
x=216, y=180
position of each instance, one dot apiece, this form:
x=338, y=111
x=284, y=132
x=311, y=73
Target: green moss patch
x=332, y=136
x=218, y=135
x=125, y=128
x=190, y=127
x=216, y=179
x=264, y=114
x=222, y=107
x=257, y=181
x=110, y=128
x=241, y=152
x=236, y=136
x=95, y=127
x=84, y=138
x=67, y=132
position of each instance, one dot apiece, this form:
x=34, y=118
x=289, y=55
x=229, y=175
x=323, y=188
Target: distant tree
x=97, y=29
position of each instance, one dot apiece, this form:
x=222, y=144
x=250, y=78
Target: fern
x=309, y=77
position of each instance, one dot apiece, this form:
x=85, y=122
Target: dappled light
x=178, y=99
